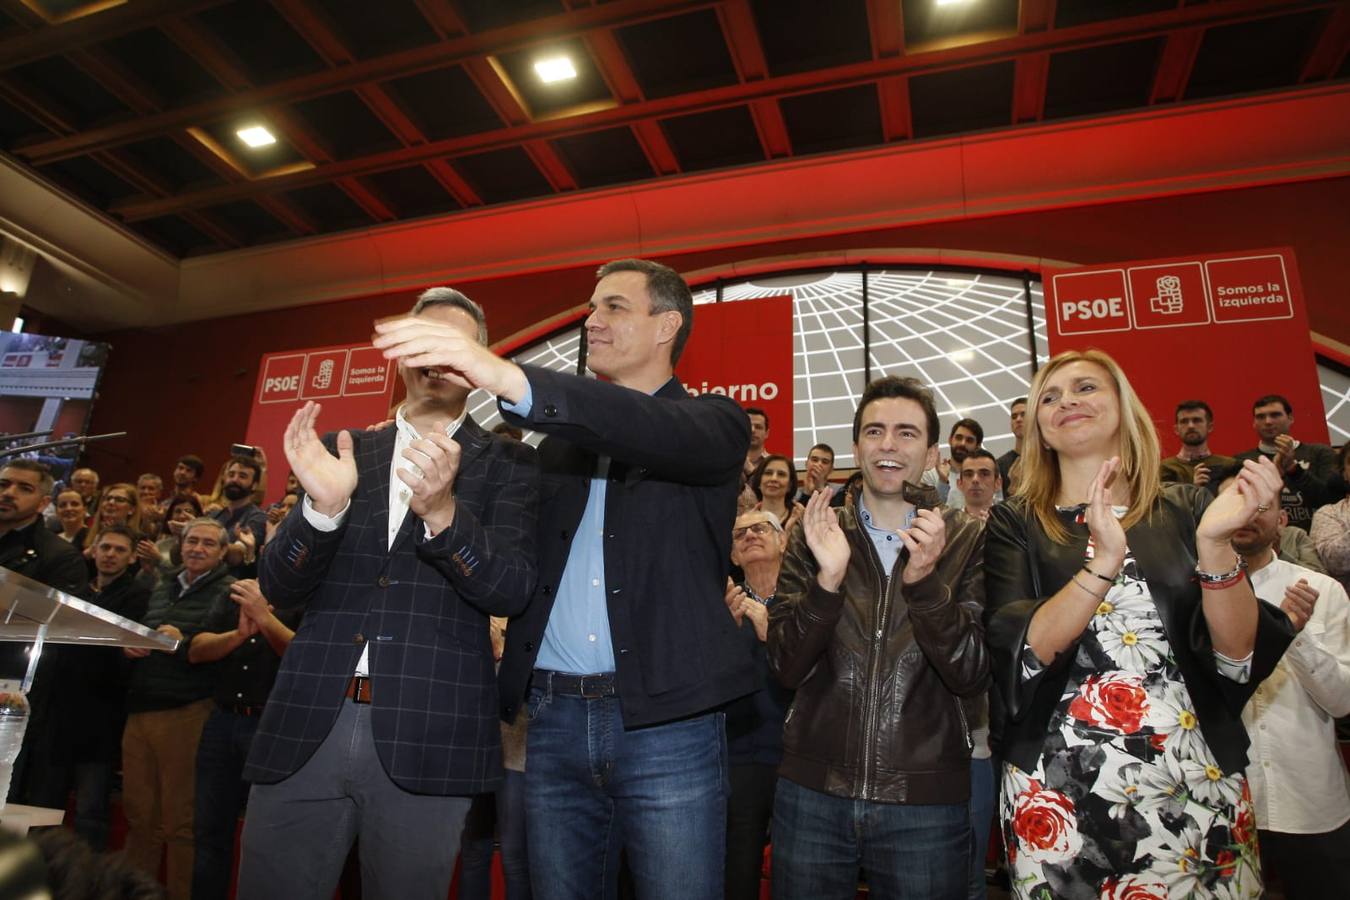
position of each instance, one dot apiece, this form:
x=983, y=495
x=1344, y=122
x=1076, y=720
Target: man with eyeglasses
x=754, y=723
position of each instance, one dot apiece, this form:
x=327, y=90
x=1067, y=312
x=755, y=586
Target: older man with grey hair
x=168, y=702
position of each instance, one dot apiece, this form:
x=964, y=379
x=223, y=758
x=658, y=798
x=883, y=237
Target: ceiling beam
x=1059, y=39
x=443, y=18
x=1029, y=79
x=1324, y=60
x=897, y=124
x=51, y=40
x=747, y=53
x=1175, y=64
x=1036, y=15
x=381, y=68
x=623, y=84
x=886, y=23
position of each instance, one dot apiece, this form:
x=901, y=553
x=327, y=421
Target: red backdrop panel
x=1225, y=328
x=352, y=384
x=743, y=349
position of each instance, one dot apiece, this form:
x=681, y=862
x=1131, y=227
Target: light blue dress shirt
x=577, y=639
x=887, y=542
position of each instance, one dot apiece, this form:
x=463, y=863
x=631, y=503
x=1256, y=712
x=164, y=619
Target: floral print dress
x=1127, y=802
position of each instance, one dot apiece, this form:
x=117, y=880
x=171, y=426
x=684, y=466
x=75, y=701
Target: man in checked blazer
x=383, y=719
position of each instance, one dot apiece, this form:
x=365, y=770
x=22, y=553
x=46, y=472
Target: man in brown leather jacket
x=878, y=628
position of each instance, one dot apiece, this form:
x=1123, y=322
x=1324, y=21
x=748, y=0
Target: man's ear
x=671, y=321
x=931, y=460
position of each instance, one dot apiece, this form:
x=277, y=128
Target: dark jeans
x=981, y=821
x=500, y=815
x=221, y=792
x=907, y=850
x=298, y=831
x=749, y=811
x=594, y=789
x=51, y=783
x=1309, y=866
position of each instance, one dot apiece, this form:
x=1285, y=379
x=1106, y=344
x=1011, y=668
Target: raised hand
x=735, y=598
x=794, y=516
x=1255, y=489
x=1299, y=600
x=1201, y=475
x=435, y=463
x=248, y=596
x=826, y=539
x=1284, y=453
x=1108, y=538
x=328, y=480
x=925, y=538
x=944, y=468
x=419, y=342
x=758, y=614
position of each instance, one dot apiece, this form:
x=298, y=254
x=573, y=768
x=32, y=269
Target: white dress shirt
x=1298, y=780
x=399, y=496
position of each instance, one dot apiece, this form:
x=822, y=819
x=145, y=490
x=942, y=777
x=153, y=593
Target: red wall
x=187, y=388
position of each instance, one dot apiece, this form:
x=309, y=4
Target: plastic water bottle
x=13, y=723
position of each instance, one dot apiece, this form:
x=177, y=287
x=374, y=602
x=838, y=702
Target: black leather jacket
x=1024, y=568
x=880, y=667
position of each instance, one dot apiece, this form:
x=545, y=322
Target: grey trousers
x=297, y=832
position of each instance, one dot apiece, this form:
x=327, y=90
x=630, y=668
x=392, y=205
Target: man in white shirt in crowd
x=1299, y=784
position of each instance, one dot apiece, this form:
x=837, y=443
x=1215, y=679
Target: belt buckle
x=600, y=690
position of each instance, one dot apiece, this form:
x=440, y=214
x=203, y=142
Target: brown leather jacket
x=879, y=667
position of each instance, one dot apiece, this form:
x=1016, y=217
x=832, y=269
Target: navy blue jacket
x=669, y=507
x=422, y=607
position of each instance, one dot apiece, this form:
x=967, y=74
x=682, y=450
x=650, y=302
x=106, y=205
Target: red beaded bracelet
x=1221, y=585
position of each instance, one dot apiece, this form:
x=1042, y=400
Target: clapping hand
x=1255, y=489
x=826, y=539
x=1108, y=538
x=925, y=538
x=1299, y=600
x=328, y=480
x=434, y=464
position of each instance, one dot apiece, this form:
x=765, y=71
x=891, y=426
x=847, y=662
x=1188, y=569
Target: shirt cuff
x=523, y=406
x=1239, y=670
x=1031, y=665
x=319, y=520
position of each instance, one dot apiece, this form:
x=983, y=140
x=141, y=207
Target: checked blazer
x=421, y=606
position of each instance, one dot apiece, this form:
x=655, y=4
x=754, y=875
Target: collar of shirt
x=399, y=493
x=886, y=541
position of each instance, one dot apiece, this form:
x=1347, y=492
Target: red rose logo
x=1134, y=887
x=1115, y=701
x=1046, y=826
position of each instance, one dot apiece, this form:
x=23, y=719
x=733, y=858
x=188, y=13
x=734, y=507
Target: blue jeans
x=221, y=791
x=981, y=821
x=500, y=815
x=594, y=789
x=907, y=850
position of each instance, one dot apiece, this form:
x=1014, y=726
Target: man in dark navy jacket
x=383, y=718
x=626, y=648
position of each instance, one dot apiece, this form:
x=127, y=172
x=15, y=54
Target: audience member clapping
x=1331, y=528
x=774, y=483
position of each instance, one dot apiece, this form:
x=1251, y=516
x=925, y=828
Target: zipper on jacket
x=871, y=699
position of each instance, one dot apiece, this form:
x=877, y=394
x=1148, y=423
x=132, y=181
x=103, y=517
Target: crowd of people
x=645, y=653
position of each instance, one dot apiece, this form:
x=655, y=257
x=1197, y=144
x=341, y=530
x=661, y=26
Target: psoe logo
x=323, y=379
x=1167, y=299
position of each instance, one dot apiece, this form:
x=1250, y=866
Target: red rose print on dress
x=1116, y=701
x=1046, y=826
x=1134, y=887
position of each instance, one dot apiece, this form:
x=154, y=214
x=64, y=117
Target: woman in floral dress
x=1126, y=641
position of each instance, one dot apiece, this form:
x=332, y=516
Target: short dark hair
x=74, y=869
x=448, y=296
x=1340, y=457
x=247, y=462
x=969, y=425
x=1273, y=398
x=189, y=499
x=667, y=290
x=1020, y=401
x=1193, y=404
x=826, y=447
x=904, y=388
x=981, y=453
x=45, y=480
x=756, y=411
x=123, y=530
x=193, y=462
x=758, y=474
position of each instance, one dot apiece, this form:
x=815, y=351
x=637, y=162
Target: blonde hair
x=1140, y=456
x=133, y=515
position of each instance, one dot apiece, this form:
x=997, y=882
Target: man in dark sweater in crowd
x=1310, y=477
x=168, y=703
x=88, y=690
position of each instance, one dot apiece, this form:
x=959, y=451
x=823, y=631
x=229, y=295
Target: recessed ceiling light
x=950, y=2
x=256, y=136
x=555, y=68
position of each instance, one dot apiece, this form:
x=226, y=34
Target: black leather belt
x=592, y=687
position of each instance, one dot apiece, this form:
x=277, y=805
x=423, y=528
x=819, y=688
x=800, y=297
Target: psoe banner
x=353, y=385
x=1225, y=328
x=743, y=349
